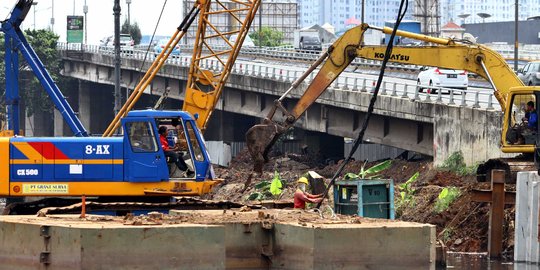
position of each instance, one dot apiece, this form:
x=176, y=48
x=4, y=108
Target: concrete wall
x=249, y=244
x=504, y=31
x=527, y=247
x=343, y=247
x=474, y=132
x=133, y=247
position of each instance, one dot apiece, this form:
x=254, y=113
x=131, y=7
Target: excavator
x=446, y=53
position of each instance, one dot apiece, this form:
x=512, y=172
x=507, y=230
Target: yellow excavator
x=510, y=92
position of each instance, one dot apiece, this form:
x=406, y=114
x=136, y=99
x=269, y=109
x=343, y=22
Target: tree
x=269, y=37
x=133, y=30
x=32, y=93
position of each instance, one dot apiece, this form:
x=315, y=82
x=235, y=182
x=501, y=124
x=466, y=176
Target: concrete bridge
x=434, y=125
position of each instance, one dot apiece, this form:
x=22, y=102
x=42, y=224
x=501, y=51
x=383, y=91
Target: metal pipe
x=117, y=94
x=441, y=41
x=304, y=76
x=487, y=74
x=516, y=37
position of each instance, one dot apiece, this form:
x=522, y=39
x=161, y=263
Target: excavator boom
x=447, y=53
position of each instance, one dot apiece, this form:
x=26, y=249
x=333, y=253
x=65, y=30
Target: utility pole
x=34, y=4
x=117, y=94
x=85, y=10
x=516, y=37
x=52, y=16
x=129, y=13
x=363, y=12
x=260, y=11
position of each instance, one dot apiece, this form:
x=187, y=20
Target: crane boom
x=205, y=84
x=212, y=44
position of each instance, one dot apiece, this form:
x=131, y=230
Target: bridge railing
x=348, y=81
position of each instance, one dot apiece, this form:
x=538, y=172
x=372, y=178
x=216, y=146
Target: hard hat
x=302, y=180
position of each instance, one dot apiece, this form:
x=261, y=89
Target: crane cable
x=151, y=41
x=359, y=140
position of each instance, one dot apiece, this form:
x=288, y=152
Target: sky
x=100, y=16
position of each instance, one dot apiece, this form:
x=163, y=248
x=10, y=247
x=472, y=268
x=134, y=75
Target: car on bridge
x=431, y=78
x=530, y=73
x=160, y=45
x=126, y=44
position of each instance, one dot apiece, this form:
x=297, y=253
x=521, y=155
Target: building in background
x=466, y=11
x=427, y=12
x=336, y=12
x=452, y=30
x=281, y=15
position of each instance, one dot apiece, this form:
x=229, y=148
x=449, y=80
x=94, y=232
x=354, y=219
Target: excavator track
x=511, y=166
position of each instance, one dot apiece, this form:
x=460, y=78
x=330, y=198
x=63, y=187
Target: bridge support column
x=228, y=127
x=59, y=130
x=474, y=132
x=84, y=104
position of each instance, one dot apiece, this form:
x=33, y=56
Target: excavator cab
x=520, y=126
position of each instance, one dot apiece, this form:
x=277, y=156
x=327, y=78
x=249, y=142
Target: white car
x=431, y=78
x=126, y=43
x=248, y=42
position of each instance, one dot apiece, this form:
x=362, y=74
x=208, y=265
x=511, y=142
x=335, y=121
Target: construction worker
x=172, y=152
x=301, y=196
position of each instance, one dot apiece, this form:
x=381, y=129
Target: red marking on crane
x=48, y=150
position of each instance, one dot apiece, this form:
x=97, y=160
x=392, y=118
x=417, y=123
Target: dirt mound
x=463, y=226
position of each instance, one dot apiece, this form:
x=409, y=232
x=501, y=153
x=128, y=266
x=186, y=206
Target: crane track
x=74, y=206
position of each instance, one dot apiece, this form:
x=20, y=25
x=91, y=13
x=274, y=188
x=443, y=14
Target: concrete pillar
x=84, y=104
x=58, y=124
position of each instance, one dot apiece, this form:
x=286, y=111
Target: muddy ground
x=463, y=226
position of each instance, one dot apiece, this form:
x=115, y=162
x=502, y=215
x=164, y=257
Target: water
x=480, y=261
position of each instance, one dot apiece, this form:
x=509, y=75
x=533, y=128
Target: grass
x=456, y=163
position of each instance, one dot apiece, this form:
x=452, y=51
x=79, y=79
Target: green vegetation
x=447, y=233
x=132, y=29
x=406, y=194
x=371, y=172
x=446, y=197
x=34, y=98
x=267, y=189
x=267, y=37
x=455, y=163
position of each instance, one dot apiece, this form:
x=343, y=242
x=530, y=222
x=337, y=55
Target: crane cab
x=520, y=125
x=144, y=153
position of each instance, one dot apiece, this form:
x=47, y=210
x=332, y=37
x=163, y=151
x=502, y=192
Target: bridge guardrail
x=347, y=81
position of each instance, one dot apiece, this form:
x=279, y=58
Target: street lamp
x=85, y=11
x=52, y=16
x=484, y=16
x=464, y=17
x=34, y=4
x=129, y=21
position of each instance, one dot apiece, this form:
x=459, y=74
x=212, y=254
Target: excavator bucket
x=260, y=139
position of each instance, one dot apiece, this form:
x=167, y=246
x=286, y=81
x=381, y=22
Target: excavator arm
x=447, y=53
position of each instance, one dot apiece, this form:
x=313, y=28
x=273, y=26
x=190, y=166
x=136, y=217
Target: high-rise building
x=336, y=12
x=467, y=11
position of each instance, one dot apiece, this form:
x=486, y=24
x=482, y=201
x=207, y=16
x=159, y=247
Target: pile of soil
x=463, y=226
